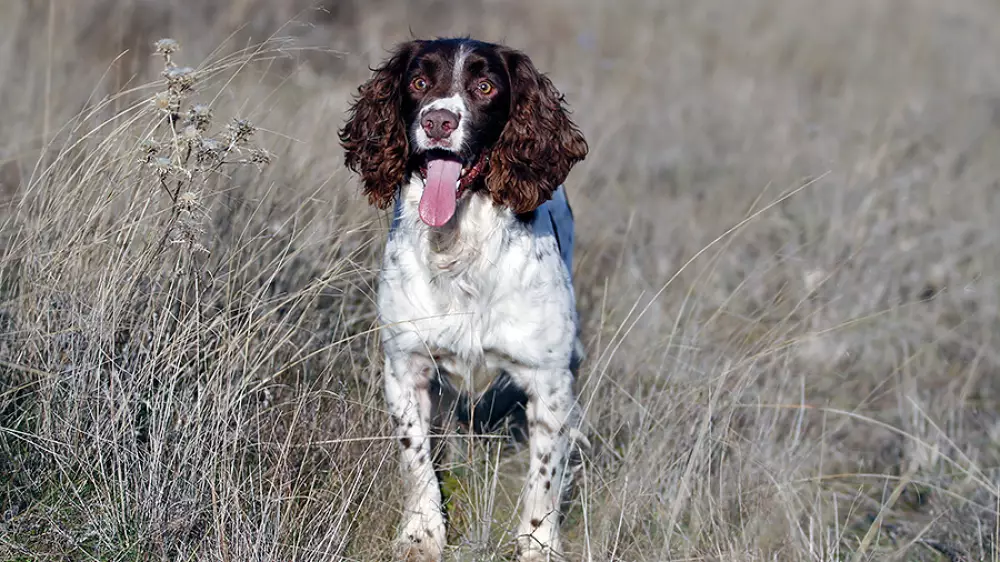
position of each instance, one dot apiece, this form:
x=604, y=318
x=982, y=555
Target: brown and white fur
x=480, y=287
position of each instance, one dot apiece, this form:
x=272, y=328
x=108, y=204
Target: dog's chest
x=457, y=276
x=485, y=287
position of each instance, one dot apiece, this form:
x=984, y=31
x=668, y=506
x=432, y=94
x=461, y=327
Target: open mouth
x=443, y=173
x=443, y=154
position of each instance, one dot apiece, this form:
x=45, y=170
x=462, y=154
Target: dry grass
x=784, y=265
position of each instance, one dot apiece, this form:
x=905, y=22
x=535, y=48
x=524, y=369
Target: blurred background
x=784, y=227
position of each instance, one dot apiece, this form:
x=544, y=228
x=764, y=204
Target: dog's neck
x=476, y=231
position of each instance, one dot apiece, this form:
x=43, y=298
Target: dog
x=471, y=144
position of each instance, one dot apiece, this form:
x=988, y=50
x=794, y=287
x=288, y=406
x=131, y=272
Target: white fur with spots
x=486, y=292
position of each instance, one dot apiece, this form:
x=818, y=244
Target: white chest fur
x=486, y=288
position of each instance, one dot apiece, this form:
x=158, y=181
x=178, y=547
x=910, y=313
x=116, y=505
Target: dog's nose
x=439, y=123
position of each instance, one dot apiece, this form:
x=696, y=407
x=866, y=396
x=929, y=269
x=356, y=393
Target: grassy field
x=792, y=313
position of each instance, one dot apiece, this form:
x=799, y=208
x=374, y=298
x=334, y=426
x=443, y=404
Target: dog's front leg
x=553, y=416
x=407, y=384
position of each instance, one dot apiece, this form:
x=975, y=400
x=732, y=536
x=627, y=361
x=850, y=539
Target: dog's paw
x=421, y=543
x=414, y=552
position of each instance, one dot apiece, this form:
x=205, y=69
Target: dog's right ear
x=374, y=137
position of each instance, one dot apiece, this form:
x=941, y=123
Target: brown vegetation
x=784, y=264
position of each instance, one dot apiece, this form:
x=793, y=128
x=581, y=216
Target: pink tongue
x=437, y=204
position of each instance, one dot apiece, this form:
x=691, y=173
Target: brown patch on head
x=374, y=137
x=538, y=146
x=472, y=74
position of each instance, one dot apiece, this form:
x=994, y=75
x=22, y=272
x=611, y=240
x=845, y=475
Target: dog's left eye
x=485, y=87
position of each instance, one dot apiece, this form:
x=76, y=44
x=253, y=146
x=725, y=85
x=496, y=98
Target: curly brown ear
x=539, y=144
x=374, y=137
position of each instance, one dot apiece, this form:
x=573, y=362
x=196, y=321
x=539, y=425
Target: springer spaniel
x=472, y=145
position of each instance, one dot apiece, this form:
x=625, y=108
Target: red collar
x=470, y=176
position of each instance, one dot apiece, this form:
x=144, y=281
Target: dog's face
x=456, y=100
x=462, y=114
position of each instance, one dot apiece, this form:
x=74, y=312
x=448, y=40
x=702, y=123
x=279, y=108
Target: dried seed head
x=163, y=165
x=169, y=102
x=188, y=227
x=239, y=131
x=190, y=134
x=166, y=46
x=162, y=100
x=211, y=145
x=180, y=79
x=260, y=156
x=200, y=115
x=209, y=151
x=187, y=200
x=149, y=148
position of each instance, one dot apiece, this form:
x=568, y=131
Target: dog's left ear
x=538, y=146
x=374, y=137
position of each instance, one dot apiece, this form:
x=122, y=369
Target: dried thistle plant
x=183, y=153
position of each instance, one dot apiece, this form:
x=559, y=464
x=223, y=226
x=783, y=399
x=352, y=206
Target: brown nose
x=439, y=123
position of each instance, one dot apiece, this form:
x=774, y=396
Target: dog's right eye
x=418, y=84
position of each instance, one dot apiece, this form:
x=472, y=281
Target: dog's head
x=466, y=115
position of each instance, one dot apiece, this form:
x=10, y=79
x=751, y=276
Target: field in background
x=786, y=264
